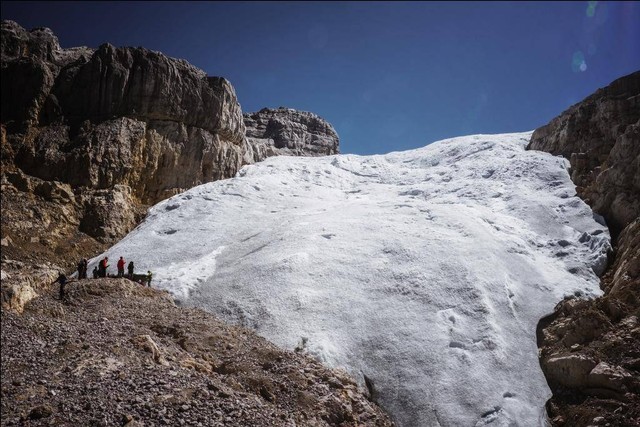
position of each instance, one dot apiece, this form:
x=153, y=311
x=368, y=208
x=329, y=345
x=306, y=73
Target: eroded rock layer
x=284, y=131
x=591, y=349
x=92, y=137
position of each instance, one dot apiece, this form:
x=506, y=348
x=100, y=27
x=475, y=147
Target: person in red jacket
x=121, y=267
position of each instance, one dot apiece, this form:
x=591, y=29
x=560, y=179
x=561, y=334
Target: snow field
x=425, y=270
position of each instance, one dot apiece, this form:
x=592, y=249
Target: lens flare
x=578, y=64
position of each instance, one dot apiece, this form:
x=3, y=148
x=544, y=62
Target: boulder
x=609, y=377
x=23, y=283
x=108, y=214
x=571, y=370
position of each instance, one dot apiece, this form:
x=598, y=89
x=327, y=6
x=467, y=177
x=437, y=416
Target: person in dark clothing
x=121, y=267
x=82, y=269
x=62, y=279
x=102, y=269
x=96, y=273
x=85, y=265
x=149, y=276
x=130, y=269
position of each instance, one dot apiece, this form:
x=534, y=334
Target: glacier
x=424, y=271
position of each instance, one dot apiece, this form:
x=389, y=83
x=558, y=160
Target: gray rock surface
x=285, y=131
x=113, y=116
x=601, y=138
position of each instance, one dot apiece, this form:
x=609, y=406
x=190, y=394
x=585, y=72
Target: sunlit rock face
x=601, y=138
x=126, y=116
x=285, y=131
x=423, y=273
x=123, y=128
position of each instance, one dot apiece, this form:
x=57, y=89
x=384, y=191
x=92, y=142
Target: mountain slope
x=423, y=273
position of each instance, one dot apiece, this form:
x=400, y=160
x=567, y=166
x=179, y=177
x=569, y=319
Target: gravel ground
x=117, y=353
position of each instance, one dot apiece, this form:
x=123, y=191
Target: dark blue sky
x=388, y=76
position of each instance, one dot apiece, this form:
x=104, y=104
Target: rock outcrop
x=601, y=138
x=284, y=131
x=24, y=283
x=126, y=116
x=101, y=134
x=590, y=350
x=118, y=353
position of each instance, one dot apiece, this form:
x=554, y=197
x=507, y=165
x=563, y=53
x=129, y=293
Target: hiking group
x=101, y=271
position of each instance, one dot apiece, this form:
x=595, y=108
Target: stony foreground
x=120, y=354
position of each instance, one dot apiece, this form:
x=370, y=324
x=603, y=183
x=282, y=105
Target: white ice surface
x=426, y=270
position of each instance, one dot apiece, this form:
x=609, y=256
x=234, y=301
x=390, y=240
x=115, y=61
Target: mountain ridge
x=102, y=134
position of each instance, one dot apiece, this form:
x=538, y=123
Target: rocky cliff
x=91, y=138
x=600, y=138
x=590, y=350
x=284, y=131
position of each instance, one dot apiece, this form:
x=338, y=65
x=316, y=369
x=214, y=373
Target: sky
x=389, y=76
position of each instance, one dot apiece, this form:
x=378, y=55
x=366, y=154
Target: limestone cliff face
x=590, y=348
x=118, y=129
x=116, y=116
x=601, y=138
x=285, y=131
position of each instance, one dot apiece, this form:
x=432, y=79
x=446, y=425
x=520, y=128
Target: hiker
x=130, y=270
x=102, y=269
x=62, y=279
x=149, y=276
x=96, y=273
x=82, y=269
x=85, y=265
x=121, y=267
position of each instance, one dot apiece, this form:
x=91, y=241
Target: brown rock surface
x=93, y=137
x=118, y=353
x=601, y=137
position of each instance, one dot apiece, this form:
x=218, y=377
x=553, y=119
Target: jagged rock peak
x=288, y=131
x=38, y=43
x=18, y=42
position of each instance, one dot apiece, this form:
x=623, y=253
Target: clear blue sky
x=388, y=76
